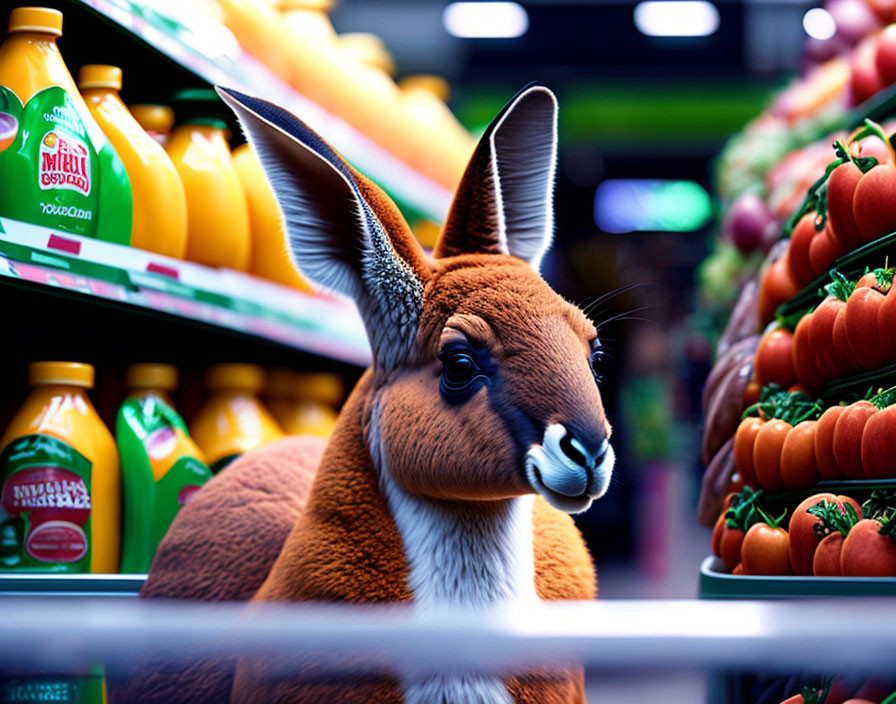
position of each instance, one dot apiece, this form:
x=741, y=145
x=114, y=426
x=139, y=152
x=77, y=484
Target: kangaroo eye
x=461, y=375
x=459, y=369
x=598, y=354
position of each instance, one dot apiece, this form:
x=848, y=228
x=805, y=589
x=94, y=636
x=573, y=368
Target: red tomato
x=807, y=530
x=774, y=359
x=885, y=55
x=729, y=546
x=752, y=393
x=841, y=190
x=867, y=553
x=845, y=360
x=824, y=443
x=823, y=251
x=767, y=453
x=862, y=310
x=821, y=337
x=879, y=444
x=765, y=550
x=805, y=363
x=826, y=560
x=886, y=327
x=864, y=80
x=776, y=286
x=848, y=432
x=874, y=204
x=798, y=467
x=744, y=441
x=717, y=535
x=872, y=146
x=798, y=250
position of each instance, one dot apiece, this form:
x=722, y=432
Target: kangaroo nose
x=576, y=451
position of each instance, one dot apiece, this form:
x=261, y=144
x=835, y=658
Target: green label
x=52, y=688
x=58, y=173
x=149, y=432
x=44, y=506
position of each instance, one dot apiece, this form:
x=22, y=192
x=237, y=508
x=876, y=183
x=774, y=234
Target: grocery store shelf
x=70, y=585
x=737, y=635
x=238, y=69
x=323, y=325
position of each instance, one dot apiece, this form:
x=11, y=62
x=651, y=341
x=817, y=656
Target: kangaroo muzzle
x=565, y=472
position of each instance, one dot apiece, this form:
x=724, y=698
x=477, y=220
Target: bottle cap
x=242, y=377
x=151, y=376
x=328, y=389
x=200, y=106
x=68, y=373
x=99, y=76
x=153, y=117
x=36, y=19
x=430, y=83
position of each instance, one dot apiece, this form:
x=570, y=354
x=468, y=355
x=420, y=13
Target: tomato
x=864, y=80
x=886, y=327
x=798, y=467
x=765, y=550
x=847, y=445
x=797, y=256
x=767, y=453
x=868, y=553
x=845, y=360
x=738, y=569
x=774, y=359
x=826, y=561
x=841, y=190
x=821, y=337
x=862, y=310
x=752, y=393
x=717, y=535
x=805, y=363
x=806, y=530
x=879, y=444
x=874, y=204
x=885, y=55
x=729, y=546
x=776, y=286
x=744, y=442
x=824, y=443
x=823, y=250
x=872, y=145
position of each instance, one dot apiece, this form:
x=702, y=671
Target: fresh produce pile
x=827, y=535
x=841, y=691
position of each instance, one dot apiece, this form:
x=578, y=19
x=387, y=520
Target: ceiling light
x=674, y=18
x=485, y=20
x=819, y=24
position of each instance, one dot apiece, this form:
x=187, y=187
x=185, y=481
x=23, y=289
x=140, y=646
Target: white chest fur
x=460, y=555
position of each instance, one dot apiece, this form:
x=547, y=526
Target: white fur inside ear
x=524, y=160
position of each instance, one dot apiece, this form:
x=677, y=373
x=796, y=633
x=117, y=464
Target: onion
x=745, y=222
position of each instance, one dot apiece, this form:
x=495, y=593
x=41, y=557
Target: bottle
x=156, y=120
x=161, y=466
x=217, y=214
x=60, y=499
x=57, y=168
x=270, y=258
x=160, y=207
x=304, y=403
x=232, y=420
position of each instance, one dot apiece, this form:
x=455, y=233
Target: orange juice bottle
x=161, y=466
x=304, y=403
x=57, y=168
x=233, y=420
x=60, y=504
x=270, y=258
x=156, y=120
x=218, y=217
x=160, y=206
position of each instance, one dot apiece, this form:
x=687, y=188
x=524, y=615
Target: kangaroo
x=461, y=452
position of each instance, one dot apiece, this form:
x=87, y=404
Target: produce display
x=842, y=690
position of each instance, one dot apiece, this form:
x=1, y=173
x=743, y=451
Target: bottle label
x=58, y=171
x=44, y=506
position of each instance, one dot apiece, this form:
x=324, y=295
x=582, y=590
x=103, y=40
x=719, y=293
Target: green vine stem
x=881, y=503
x=834, y=517
x=840, y=287
x=772, y=523
x=872, y=129
x=884, y=398
x=741, y=514
x=890, y=700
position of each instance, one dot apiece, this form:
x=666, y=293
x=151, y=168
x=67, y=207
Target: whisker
x=624, y=315
x=611, y=294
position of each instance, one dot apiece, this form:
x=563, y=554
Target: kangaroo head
x=482, y=385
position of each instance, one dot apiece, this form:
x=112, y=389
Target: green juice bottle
x=161, y=466
x=56, y=166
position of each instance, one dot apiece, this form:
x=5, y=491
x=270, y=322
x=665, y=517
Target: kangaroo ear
x=343, y=232
x=504, y=203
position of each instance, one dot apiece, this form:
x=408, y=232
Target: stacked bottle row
x=76, y=499
x=77, y=159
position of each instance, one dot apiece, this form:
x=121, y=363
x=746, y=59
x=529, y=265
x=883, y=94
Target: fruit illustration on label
x=64, y=163
x=9, y=127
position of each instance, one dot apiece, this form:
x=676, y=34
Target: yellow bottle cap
x=99, y=76
x=151, y=376
x=324, y=388
x=279, y=383
x=311, y=5
x=36, y=19
x=430, y=83
x=367, y=49
x=68, y=373
x=241, y=377
x=153, y=118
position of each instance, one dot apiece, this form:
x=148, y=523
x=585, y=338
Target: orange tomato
x=798, y=467
x=805, y=361
x=824, y=443
x=774, y=359
x=744, y=442
x=847, y=441
x=879, y=444
x=766, y=550
x=767, y=453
